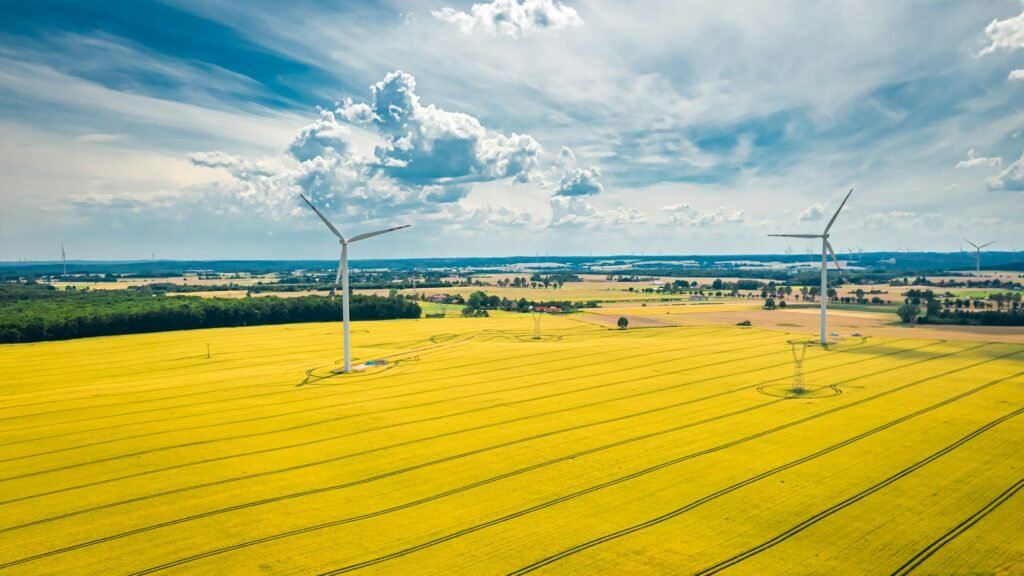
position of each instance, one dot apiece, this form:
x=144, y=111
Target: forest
x=37, y=312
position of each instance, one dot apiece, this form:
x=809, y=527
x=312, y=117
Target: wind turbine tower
x=343, y=272
x=64, y=259
x=977, y=253
x=826, y=249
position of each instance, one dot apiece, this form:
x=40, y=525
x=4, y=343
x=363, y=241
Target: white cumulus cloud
x=1017, y=74
x=514, y=18
x=426, y=157
x=974, y=161
x=686, y=215
x=580, y=182
x=813, y=213
x=1004, y=34
x=575, y=211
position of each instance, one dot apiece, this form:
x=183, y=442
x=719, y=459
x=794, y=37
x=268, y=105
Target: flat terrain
x=480, y=450
x=803, y=319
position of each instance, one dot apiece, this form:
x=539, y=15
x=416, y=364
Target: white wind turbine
x=826, y=249
x=977, y=252
x=64, y=258
x=343, y=272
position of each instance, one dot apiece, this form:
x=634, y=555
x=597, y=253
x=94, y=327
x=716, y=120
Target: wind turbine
x=826, y=249
x=64, y=258
x=343, y=271
x=977, y=252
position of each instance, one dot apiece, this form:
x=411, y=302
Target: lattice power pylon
x=799, y=349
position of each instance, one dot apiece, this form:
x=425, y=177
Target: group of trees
x=538, y=281
x=965, y=311
x=479, y=302
x=953, y=283
x=32, y=314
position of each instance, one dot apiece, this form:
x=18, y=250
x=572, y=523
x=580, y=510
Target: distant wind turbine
x=64, y=258
x=977, y=252
x=826, y=249
x=343, y=272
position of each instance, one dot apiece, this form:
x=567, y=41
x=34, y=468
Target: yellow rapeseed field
x=479, y=450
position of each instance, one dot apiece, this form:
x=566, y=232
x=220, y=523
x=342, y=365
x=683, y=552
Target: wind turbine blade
x=337, y=277
x=983, y=245
x=797, y=235
x=377, y=233
x=836, y=260
x=830, y=222
x=971, y=243
x=324, y=218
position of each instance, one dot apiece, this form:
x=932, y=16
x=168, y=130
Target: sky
x=187, y=129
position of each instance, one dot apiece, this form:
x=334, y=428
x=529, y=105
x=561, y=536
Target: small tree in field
x=623, y=322
x=908, y=313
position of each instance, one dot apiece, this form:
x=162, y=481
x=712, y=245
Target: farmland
x=478, y=449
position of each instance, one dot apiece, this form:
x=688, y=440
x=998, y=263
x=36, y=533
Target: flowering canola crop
x=477, y=448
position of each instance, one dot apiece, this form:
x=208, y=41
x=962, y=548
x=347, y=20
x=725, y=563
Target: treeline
x=479, y=303
x=965, y=318
x=33, y=314
x=1009, y=312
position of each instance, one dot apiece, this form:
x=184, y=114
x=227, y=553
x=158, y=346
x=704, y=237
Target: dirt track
x=842, y=322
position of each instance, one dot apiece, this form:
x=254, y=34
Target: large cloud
x=426, y=144
x=686, y=215
x=580, y=182
x=424, y=157
x=514, y=18
x=1005, y=34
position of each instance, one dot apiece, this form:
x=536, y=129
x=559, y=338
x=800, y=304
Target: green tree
x=623, y=323
x=908, y=313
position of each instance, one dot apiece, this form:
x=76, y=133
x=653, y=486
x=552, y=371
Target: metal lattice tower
x=536, y=325
x=799, y=349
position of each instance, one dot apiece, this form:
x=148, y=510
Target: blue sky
x=187, y=129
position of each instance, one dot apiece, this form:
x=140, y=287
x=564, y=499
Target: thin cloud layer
x=1010, y=179
x=512, y=18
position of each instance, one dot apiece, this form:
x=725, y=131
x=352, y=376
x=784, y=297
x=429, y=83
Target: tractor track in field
x=267, y=360
x=320, y=440
x=452, y=367
x=310, y=442
x=447, y=344
x=518, y=358
x=288, y=391
x=371, y=413
x=453, y=491
x=264, y=417
x=331, y=524
x=743, y=483
x=588, y=490
x=442, y=345
x=842, y=505
x=959, y=529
